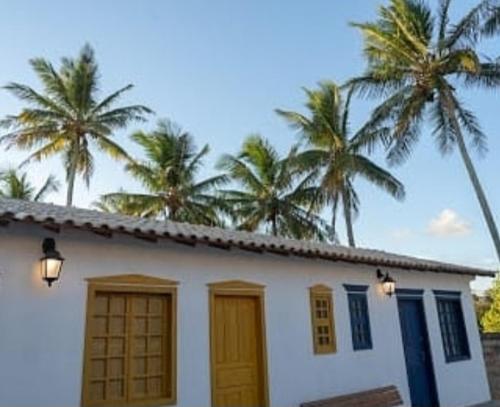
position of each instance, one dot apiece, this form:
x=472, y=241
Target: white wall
x=42, y=329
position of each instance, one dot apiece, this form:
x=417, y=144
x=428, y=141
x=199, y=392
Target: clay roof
x=56, y=217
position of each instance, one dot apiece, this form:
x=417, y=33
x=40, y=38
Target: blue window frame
x=360, y=320
x=451, y=321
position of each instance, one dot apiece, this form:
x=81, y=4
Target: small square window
x=322, y=319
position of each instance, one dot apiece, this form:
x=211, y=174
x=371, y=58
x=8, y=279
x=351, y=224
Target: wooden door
x=237, y=352
x=418, y=358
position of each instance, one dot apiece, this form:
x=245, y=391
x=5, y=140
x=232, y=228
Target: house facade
x=149, y=313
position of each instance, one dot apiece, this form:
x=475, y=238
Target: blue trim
x=350, y=288
x=447, y=294
x=409, y=292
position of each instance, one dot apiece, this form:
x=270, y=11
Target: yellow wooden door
x=237, y=346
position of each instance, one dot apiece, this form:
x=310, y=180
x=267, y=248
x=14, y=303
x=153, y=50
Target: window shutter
x=359, y=316
x=130, y=342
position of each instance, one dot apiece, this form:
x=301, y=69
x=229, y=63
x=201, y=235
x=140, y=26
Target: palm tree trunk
x=346, y=203
x=72, y=175
x=172, y=213
x=274, y=226
x=478, y=189
x=333, y=224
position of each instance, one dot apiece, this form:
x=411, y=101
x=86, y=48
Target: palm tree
x=14, y=184
x=274, y=193
x=169, y=178
x=335, y=153
x=416, y=61
x=66, y=118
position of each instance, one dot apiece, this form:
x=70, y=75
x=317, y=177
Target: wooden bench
x=382, y=397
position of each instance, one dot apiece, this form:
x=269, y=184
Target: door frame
x=243, y=289
x=416, y=295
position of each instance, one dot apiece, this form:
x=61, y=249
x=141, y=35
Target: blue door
x=417, y=353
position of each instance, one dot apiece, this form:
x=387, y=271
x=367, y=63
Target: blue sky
x=219, y=68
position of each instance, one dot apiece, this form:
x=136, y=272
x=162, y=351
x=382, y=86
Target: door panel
x=149, y=346
x=237, y=358
x=417, y=353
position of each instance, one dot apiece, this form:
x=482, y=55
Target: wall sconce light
x=388, y=283
x=51, y=262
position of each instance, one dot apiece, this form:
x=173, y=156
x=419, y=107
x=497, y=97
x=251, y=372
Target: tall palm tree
x=14, y=184
x=335, y=153
x=416, y=61
x=169, y=178
x=67, y=117
x=274, y=194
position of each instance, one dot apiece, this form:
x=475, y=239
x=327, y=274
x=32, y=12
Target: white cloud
x=449, y=223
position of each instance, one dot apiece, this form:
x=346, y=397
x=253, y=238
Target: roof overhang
x=55, y=218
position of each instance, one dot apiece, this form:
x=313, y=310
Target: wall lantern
x=51, y=262
x=388, y=283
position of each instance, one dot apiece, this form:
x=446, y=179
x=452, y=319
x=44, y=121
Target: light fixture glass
x=388, y=283
x=51, y=262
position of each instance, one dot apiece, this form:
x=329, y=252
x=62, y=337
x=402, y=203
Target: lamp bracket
x=48, y=245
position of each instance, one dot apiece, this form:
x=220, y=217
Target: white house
x=148, y=313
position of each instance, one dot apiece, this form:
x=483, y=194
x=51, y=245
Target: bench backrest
x=382, y=397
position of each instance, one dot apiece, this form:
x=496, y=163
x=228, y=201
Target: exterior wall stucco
x=42, y=329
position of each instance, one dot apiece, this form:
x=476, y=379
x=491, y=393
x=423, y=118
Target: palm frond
x=132, y=204
x=50, y=185
x=53, y=84
x=487, y=76
x=51, y=148
x=467, y=31
x=443, y=16
x=379, y=177
x=443, y=132
x=112, y=149
x=32, y=97
x=238, y=170
x=109, y=100
x=491, y=26
x=122, y=116
x=296, y=120
x=470, y=124
x=408, y=118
